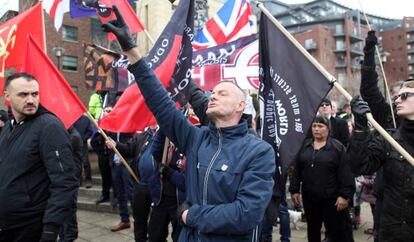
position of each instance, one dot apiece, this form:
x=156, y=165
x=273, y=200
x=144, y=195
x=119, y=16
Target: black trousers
x=318, y=211
x=86, y=163
x=161, y=216
x=105, y=169
x=141, y=207
x=29, y=233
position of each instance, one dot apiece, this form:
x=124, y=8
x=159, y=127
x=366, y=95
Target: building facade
x=334, y=34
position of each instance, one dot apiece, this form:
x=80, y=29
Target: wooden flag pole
x=165, y=151
x=382, y=69
x=124, y=162
x=333, y=81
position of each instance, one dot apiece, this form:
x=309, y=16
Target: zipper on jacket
x=58, y=157
x=209, y=168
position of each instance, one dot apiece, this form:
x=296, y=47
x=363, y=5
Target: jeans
x=284, y=229
x=122, y=183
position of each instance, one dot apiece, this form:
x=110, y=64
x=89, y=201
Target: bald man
x=228, y=171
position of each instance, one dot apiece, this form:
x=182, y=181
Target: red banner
x=13, y=37
x=56, y=95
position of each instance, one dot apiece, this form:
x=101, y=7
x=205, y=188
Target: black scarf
x=407, y=131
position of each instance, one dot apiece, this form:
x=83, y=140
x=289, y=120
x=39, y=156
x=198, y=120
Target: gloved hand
x=50, y=233
x=371, y=40
x=165, y=171
x=359, y=109
x=119, y=28
x=184, y=206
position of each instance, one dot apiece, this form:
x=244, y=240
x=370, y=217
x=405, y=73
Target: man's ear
x=241, y=106
x=6, y=95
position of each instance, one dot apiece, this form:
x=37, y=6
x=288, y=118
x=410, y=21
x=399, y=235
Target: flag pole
x=124, y=162
x=145, y=30
x=382, y=68
x=149, y=36
x=333, y=82
x=164, y=153
x=44, y=27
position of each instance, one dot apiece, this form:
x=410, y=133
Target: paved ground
x=94, y=226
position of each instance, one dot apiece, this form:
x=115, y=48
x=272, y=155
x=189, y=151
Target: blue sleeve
x=157, y=146
x=178, y=179
x=172, y=122
x=247, y=209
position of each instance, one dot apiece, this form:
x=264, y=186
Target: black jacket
x=367, y=154
x=133, y=149
x=36, y=172
x=84, y=127
x=324, y=173
x=77, y=146
x=339, y=130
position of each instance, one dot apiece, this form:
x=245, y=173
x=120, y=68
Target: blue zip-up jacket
x=228, y=171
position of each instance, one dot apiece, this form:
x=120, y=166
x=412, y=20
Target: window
x=326, y=42
x=69, y=63
x=401, y=69
x=399, y=37
x=340, y=45
x=70, y=33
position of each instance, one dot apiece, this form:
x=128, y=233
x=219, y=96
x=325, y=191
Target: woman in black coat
x=327, y=184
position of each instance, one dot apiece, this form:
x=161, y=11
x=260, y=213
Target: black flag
x=291, y=89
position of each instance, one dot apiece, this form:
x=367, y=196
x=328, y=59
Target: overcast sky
x=384, y=8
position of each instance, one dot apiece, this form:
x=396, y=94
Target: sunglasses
x=324, y=105
x=403, y=96
x=107, y=110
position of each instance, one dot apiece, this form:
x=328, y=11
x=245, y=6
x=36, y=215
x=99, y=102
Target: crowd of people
x=211, y=182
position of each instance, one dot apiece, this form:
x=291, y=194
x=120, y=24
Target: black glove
x=165, y=171
x=119, y=28
x=370, y=41
x=50, y=233
x=184, y=206
x=359, y=109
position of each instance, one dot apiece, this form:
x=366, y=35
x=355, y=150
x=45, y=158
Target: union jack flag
x=233, y=21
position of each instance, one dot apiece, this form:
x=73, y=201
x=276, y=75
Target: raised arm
x=173, y=123
x=369, y=89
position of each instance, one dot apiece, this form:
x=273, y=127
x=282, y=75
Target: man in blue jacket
x=228, y=171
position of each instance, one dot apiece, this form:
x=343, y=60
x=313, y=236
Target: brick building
x=398, y=42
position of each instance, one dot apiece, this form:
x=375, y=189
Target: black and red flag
x=291, y=89
x=171, y=60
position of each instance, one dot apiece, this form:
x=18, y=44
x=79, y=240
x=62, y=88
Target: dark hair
x=16, y=75
x=326, y=100
x=322, y=120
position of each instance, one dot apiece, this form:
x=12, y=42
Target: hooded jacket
x=228, y=171
x=36, y=171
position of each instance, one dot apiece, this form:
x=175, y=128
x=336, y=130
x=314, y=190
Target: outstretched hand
x=120, y=29
x=371, y=40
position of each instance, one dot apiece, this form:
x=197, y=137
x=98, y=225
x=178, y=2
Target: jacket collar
x=232, y=132
x=328, y=145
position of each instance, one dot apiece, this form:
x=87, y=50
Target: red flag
x=13, y=37
x=170, y=58
x=131, y=19
x=56, y=95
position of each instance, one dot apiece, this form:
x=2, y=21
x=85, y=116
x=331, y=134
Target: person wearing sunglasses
x=339, y=127
x=381, y=112
x=368, y=153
